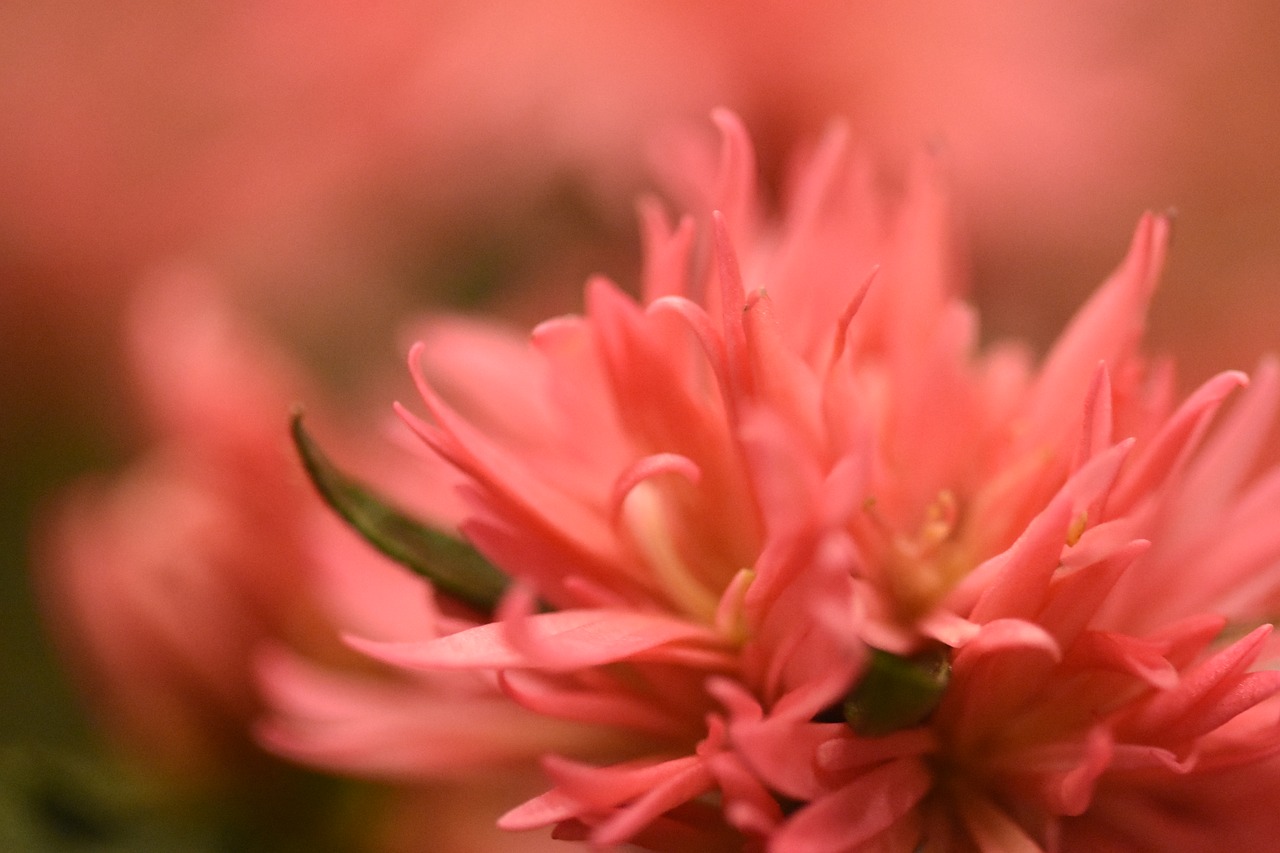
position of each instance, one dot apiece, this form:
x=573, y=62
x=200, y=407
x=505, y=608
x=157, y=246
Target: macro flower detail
x=840, y=578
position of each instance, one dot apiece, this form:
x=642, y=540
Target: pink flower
x=854, y=581
x=177, y=583
x=160, y=582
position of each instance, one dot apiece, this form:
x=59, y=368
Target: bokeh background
x=333, y=169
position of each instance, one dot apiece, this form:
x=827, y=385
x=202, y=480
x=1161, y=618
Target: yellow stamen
x=1076, y=530
x=646, y=516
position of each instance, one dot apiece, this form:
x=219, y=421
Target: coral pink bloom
x=855, y=582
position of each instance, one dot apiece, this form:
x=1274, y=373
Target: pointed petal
x=579, y=638
x=1157, y=460
x=1105, y=329
x=856, y=813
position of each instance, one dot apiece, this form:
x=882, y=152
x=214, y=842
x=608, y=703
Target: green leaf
x=453, y=566
x=897, y=692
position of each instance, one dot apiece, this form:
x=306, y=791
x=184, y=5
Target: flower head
x=850, y=580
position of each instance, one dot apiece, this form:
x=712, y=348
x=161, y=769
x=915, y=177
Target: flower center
x=918, y=570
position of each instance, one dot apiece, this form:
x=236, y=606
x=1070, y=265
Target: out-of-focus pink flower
x=164, y=579
x=854, y=582
x=175, y=584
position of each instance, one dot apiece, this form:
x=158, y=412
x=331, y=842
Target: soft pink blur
x=161, y=580
x=321, y=159
x=177, y=585
x=310, y=154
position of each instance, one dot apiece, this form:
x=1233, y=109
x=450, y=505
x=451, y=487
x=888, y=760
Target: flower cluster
x=843, y=578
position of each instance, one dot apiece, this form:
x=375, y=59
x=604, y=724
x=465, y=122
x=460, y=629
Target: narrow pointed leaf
x=453, y=566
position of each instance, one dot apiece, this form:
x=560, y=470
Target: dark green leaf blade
x=453, y=566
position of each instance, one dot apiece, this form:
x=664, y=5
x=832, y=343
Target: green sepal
x=897, y=692
x=453, y=566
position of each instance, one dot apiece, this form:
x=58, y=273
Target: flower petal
x=578, y=638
